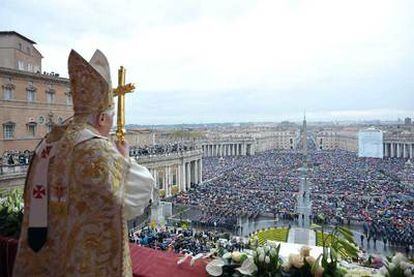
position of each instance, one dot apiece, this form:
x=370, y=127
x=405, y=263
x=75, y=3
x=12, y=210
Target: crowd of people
x=159, y=149
x=13, y=158
x=245, y=186
x=344, y=189
x=183, y=240
x=378, y=192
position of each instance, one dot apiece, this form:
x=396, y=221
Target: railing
x=13, y=169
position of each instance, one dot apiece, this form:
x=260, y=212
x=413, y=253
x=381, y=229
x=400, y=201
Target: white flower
x=261, y=258
x=305, y=251
x=404, y=265
x=267, y=259
x=215, y=267
x=236, y=255
x=248, y=267
x=407, y=273
x=267, y=248
x=273, y=252
x=296, y=260
x=398, y=258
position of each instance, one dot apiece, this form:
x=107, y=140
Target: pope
x=81, y=188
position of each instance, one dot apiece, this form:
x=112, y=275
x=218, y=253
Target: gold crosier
x=120, y=91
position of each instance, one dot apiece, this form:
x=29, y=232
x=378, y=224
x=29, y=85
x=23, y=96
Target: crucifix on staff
x=120, y=91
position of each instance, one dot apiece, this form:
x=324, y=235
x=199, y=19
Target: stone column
x=392, y=150
x=200, y=170
x=188, y=175
x=404, y=150
x=179, y=174
x=155, y=175
x=195, y=172
x=165, y=181
x=398, y=150
x=411, y=151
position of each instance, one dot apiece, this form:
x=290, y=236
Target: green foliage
x=339, y=244
x=11, y=212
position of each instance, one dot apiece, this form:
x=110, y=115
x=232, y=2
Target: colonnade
x=174, y=178
x=226, y=149
x=399, y=150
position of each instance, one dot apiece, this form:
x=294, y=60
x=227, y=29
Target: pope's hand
x=123, y=148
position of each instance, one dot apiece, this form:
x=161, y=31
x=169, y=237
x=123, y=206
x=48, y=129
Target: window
x=31, y=96
x=31, y=129
x=30, y=67
x=68, y=98
x=8, y=130
x=20, y=65
x=50, y=97
x=36, y=69
x=31, y=92
x=8, y=93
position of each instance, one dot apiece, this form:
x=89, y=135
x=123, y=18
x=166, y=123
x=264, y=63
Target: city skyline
x=237, y=61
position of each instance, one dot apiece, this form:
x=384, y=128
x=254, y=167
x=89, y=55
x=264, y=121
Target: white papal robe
x=91, y=190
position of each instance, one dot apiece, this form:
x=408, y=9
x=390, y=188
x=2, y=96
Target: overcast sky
x=238, y=60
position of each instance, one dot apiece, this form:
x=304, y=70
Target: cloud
x=235, y=60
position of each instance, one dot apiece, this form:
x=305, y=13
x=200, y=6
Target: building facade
x=30, y=101
x=344, y=139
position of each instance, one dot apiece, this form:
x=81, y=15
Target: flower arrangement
x=267, y=260
x=397, y=266
x=11, y=212
x=303, y=264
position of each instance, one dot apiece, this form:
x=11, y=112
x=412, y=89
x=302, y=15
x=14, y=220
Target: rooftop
x=10, y=33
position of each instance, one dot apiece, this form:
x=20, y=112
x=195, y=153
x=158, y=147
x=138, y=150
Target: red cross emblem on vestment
x=39, y=191
x=45, y=152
